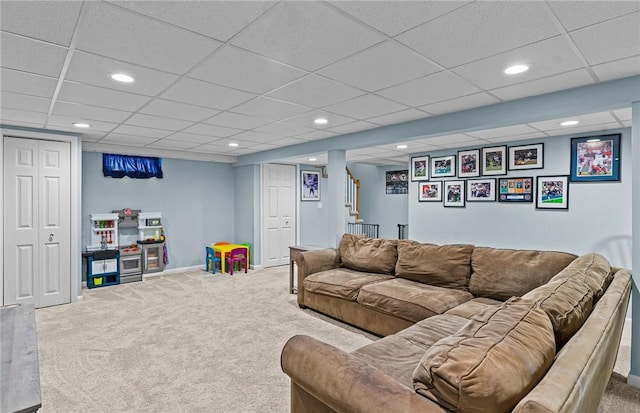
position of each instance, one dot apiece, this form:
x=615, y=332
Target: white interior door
x=279, y=206
x=37, y=224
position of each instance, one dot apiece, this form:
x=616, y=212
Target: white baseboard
x=256, y=267
x=633, y=381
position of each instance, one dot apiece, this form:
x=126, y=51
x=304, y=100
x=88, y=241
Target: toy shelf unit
x=104, y=232
x=149, y=226
x=103, y=268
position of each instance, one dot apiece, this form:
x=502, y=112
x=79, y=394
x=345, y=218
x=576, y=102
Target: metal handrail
x=403, y=231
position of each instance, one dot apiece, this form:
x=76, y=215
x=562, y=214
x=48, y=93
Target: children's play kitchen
x=125, y=244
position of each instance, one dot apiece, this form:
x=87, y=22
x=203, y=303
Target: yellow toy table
x=224, y=249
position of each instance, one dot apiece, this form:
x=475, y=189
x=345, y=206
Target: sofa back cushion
x=501, y=274
x=593, y=269
x=443, y=266
x=491, y=362
x=375, y=255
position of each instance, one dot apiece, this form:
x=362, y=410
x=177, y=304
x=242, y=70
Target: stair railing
x=403, y=230
x=352, y=193
x=368, y=230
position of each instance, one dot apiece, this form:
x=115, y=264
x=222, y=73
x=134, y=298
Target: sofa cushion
x=492, y=362
x=502, y=274
x=410, y=300
x=594, y=269
x=368, y=254
x=473, y=307
x=568, y=302
x=340, y=282
x=443, y=266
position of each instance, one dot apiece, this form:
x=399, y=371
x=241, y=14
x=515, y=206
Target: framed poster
x=595, y=158
x=552, y=192
x=494, y=160
x=310, y=190
x=526, y=157
x=420, y=168
x=515, y=189
x=481, y=190
x=443, y=166
x=397, y=182
x=469, y=163
x=430, y=191
x=454, y=193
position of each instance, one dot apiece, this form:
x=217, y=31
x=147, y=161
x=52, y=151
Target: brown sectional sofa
x=468, y=329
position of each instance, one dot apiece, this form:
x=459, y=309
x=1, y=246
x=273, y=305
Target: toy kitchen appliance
x=150, y=240
x=130, y=251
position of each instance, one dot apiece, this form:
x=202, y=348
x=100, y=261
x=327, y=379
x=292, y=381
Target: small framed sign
x=310, y=190
x=515, y=189
x=552, y=192
x=420, y=168
x=454, y=194
x=481, y=190
x=443, y=166
x=526, y=157
x=494, y=160
x=430, y=191
x=469, y=163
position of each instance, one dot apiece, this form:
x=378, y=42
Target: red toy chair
x=237, y=255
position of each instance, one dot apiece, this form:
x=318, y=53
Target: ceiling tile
x=27, y=84
x=585, y=129
x=244, y=70
x=201, y=93
x=548, y=57
x=212, y=130
x=353, y=127
x=33, y=56
x=315, y=92
x=190, y=137
x=23, y=116
x=111, y=31
x=458, y=138
x=617, y=69
x=24, y=102
x=613, y=40
x=97, y=96
x=386, y=65
x=312, y=136
x=235, y=120
x=461, y=103
x=255, y=137
x=307, y=35
x=176, y=110
x=399, y=117
x=307, y=119
x=139, y=131
x=267, y=108
x=367, y=106
x=495, y=27
x=576, y=14
x=283, y=129
x=562, y=81
x=504, y=131
x=394, y=17
x=157, y=122
x=128, y=140
x=585, y=120
x=285, y=142
x=217, y=19
x=263, y=147
x=92, y=136
x=514, y=138
x=66, y=122
x=171, y=144
x=95, y=70
x=623, y=114
x=89, y=112
x=51, y=21
x=429, y=89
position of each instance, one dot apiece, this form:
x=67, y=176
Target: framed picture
x=481, y=190
x=453, y=193
x=494, y=160
x=310, y=186
x=443, y=166
x=397, y=182
x=420, y=168
x=469, y=163
x=552, y=192
x=430, y=191
x=595, y=158
x=515, y=189
x=526, y=157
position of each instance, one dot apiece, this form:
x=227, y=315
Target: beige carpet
x=192, y=342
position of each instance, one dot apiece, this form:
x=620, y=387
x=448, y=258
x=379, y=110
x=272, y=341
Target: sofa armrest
x=346, y=383
x=310, y=262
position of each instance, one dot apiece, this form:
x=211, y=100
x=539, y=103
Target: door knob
x=50, y=237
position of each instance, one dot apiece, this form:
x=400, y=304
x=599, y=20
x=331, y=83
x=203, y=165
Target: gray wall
x=247, y=208
x=313, y=216
x=598, y=219
x=376, y=207
x=196, y=200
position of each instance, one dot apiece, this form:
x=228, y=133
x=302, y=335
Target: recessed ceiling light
x=515, y=69
x=569, y=123
x=233, y=144
x=313, y=159
x=81, y=125
x=121, y=77
x=401, y=146
x=321, y=121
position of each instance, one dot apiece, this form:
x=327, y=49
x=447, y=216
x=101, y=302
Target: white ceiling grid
x=259, y=72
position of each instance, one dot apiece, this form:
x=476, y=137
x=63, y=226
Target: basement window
x=139, y=167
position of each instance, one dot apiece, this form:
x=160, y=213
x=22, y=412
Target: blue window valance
x=142, y=167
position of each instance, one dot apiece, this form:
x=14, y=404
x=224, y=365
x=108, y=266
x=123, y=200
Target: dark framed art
x=420, y=168
x=397, y=182
x=469, y=163
x=453, y=194
x=430, y=191
x=494, y=160
x=526, y=157
x=481, y=190
x=552, y=192
x=310, y=183
x=515, y=189
x=443, y=166
x=595, y=158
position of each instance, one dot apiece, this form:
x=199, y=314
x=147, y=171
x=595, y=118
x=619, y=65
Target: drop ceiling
x=208, y=73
